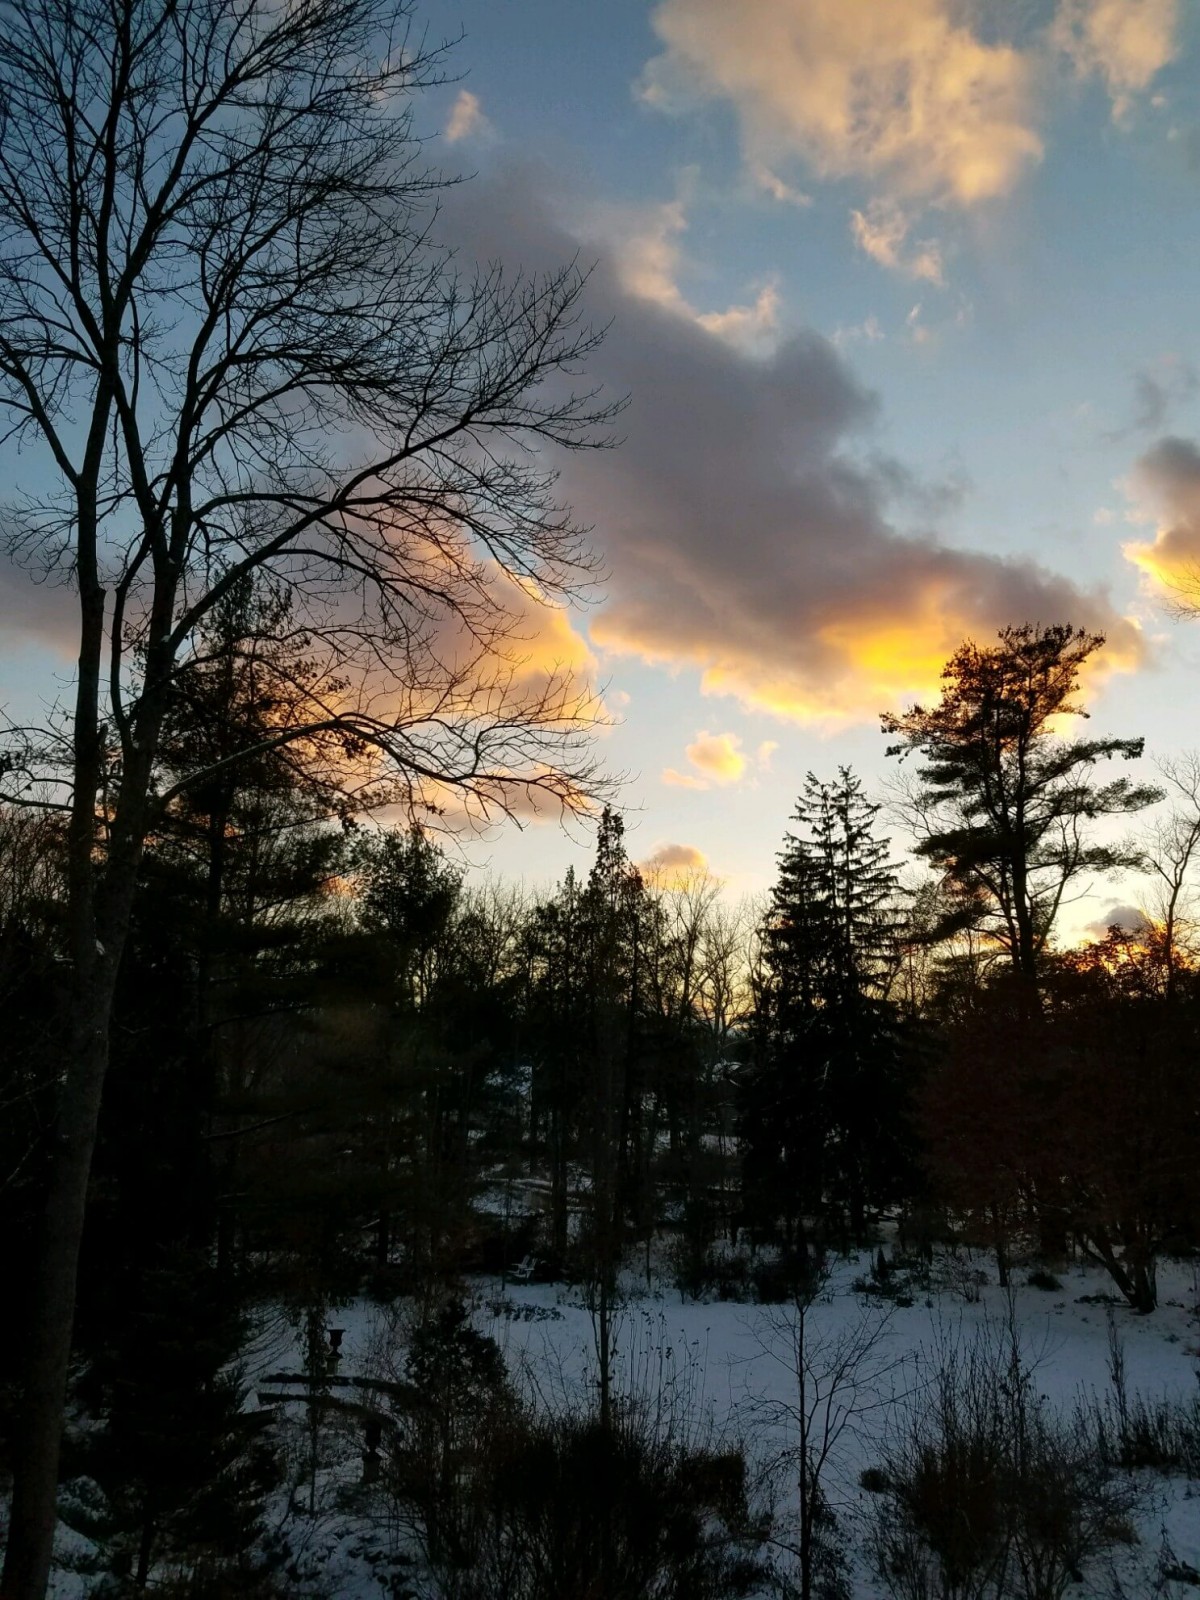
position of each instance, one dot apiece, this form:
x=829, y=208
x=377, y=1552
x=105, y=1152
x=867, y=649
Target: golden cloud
x=681, y=780
x=1124, y=42
x=897, y=91
x=674, y=866
x=864, y=658
x=1167, y=481
x=717, y=755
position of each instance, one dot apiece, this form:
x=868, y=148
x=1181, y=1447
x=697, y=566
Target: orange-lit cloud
x=901, y=92
x=544, y=639
x=682, y=780
x=1167, y=482
x=751, y=531
x=721, y=760
x=1126, y=43
x=866, y=650
x=673, y=866
x=881, y=231
x=717, y=756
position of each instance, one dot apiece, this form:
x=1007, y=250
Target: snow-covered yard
x=725, y=1371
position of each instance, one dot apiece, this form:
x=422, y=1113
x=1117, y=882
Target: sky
x=903, y=296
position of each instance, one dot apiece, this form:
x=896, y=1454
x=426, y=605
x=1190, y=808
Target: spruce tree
x=822, y=1122
x=183, y=1468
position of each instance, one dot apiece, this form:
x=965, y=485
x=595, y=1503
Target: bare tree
x=844, y=1373
x=1169, y=849
x=230, y=347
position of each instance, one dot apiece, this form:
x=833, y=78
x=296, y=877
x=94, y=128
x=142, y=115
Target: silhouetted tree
x=225, y=329
x=181, y=1463
x=823, y=1121
x=1004, y=804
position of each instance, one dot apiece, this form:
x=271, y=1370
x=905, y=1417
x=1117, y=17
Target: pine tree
x=821, y=1120
x=182, y=1466
x=1005, y=801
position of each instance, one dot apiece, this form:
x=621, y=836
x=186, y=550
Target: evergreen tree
x=822, y=1121
x=182, y=1466
x=1005, y=800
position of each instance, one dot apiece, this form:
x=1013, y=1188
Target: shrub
x=576, y=1509
x=699, y=1273
x=1041, y=1279
x=988, y=1491
x=503, y=1496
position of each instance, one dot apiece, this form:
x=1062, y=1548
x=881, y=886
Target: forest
x=344, y=1070
x=348, y=1196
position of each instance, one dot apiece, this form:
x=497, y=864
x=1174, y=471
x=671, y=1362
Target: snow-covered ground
x=727, y=1368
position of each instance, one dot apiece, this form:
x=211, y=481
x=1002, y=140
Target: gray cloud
x=34, y=606
x=1158, y=390
x=1131, y=918
x=1168, y=477
x=749, y=532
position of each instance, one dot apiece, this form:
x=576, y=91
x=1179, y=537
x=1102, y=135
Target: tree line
x=340, y=1066
x=293, y=467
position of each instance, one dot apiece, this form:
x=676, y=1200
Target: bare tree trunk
x=51, y=1316
x=35, y=1483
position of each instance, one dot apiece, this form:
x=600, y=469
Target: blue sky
x=987, y=214
x=903, y=293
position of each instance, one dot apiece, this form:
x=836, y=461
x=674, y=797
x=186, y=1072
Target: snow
x=724, y=1366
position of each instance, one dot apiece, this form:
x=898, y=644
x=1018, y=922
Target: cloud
x=718, y=756
x=467, y=119
x=905, y=95
x=1166, y=481
x=644, y=241
x=750, y=326
x=751, y=533
x=869, y=331
x=1132, y=918
x=1159, y=389
x=775, y=186
x=648, y=256
x=764, y=754
x=681, y=780
x=544, y=640
x=881, y=231
x=37, y=607
x=672, y=866
x=1124, y=42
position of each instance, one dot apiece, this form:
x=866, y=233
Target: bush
x=1159, y=1435
x=547, y=1506
x=503, y=1496
x=697, y=1274
x=896, y=1281
x=1135, y=1433
x=1041, y=1279
x=773, y=1282
x=988, y=1491
x=576, y=1509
